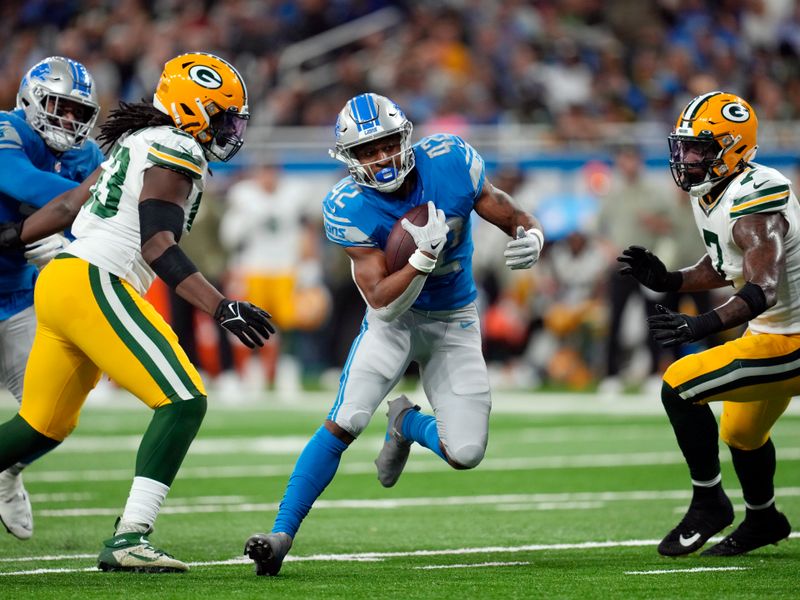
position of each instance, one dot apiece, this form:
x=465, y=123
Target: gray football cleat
x=15, y=506
x=394, y=454
x=268, y=551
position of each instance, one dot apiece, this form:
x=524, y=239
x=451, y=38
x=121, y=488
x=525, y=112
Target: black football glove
x=10, y=237
x=648, y=270
x=246, y=321
x=672, y=329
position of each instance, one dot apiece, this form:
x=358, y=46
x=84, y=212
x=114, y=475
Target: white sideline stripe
x=692, y=570
x=476, y=565
x=378, y=556
x=549, y=502
x=580, y=461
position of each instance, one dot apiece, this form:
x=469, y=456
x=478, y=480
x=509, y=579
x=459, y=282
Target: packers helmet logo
x=733, y=111
x=205, y=76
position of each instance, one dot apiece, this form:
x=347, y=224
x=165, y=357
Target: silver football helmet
x=60, y=102
x=365, y=118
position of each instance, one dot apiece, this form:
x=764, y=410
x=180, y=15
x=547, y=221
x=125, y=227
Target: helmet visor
x=227, y=129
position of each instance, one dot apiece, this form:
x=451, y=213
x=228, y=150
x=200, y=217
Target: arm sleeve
x=27, y=184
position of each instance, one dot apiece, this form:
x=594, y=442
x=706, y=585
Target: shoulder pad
x=340, y=212
x=762, y=189
x=171, y=148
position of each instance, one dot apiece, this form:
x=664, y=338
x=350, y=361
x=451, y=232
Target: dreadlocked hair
x=130, y=116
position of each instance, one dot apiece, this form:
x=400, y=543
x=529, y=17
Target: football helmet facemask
x=60, y=102
x=366, y=118
x=206, y=97
x=714, y=138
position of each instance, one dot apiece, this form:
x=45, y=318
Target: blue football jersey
x=450, y=173
x=30, y=176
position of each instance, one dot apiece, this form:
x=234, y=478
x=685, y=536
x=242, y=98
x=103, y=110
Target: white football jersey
x=107, y=226
x=758, y=189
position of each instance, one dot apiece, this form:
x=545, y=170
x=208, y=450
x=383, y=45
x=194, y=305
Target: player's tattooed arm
x=500, y=209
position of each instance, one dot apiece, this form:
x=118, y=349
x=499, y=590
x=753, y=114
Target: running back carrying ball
x=400, y=245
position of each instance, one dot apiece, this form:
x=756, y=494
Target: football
x=400, y=245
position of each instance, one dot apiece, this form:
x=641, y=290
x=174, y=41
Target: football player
x=128, y=217
x=748, y=217
x=44, y=150
x=424, y=312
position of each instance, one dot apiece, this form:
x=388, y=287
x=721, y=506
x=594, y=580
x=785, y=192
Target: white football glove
x=432, y=236
x=523, y=251
x=41, y=252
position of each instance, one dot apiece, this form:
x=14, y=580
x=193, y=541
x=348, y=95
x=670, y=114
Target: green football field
x=572, y=498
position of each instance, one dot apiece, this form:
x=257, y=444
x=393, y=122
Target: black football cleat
x=268, y=551
x=751, y=534
x=696, y=527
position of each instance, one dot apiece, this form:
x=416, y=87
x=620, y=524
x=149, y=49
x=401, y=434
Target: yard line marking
x=580, y=501
x=472, y=566
x=47, y=557
x=422, y=466
x=692, y=570
x=379, y=556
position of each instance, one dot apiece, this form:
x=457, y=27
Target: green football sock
x=19, y=440
x=168, y=438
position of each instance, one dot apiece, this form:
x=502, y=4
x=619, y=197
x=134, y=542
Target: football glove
x=432, y=236
x=523, y=251
x=648, y=270
x=244, y=320
x=42, y=252
x=10, y=236
x=669, y=328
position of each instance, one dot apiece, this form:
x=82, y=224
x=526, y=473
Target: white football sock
x=144, y=502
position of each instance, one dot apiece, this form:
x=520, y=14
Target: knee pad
x=468, y=457
x=741, y=436
x=355, y=423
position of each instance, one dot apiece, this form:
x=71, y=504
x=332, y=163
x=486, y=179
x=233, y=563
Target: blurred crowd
x=572, y=63
x=568, y=65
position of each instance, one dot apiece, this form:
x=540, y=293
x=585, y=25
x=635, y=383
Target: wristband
x=754, y=296
x=421, y=262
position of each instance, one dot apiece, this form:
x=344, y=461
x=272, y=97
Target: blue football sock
x=422, y=429
x=312, y=473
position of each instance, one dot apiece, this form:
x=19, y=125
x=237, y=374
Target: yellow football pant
x=275, y=293
x=90, y=322
x=755, y=376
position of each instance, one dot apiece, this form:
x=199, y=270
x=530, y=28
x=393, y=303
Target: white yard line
x=475, y=565
x=427, y=465
x=690, y=570
x=541, y=501
x=379, y=556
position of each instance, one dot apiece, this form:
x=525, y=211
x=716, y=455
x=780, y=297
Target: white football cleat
x=15, y=506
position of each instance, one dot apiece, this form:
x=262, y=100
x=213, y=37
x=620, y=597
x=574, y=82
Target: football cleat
x=268, y=550
x=751, y=534
x=132, y=551
x=15, y=507
x=696, y=527
x=394, y=454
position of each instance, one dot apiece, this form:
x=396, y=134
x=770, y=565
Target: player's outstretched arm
x=54, y=217
x=161, y=218
x=527, y=239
